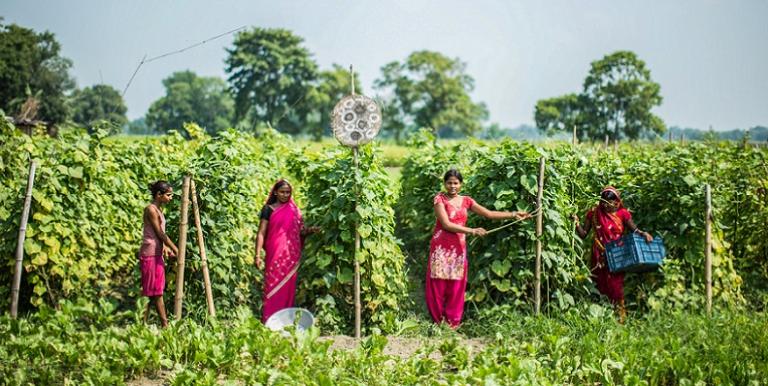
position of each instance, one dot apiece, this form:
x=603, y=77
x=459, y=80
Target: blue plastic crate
x=632, y=253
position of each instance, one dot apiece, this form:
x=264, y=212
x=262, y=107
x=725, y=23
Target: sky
x=710, y=57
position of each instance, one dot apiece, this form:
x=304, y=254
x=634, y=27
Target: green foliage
x=663, y=186
x=430, y=90
x=30, y=66
x=620, y=96
x=99, y=103
x=85, y=222
x=327, y=270
x=616, y=101
x=332, y=85
x=87, y=343
x=270, y=75
x=191, y=98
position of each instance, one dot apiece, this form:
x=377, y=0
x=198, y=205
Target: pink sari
x=283, y=251
x=608, y=227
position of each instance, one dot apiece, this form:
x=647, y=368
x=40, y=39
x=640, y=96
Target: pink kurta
x=283, y=251
x=447, y=266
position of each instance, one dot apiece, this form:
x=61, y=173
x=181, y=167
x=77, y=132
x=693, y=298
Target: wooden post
x=682, y=138
x=708, y=249
x=670, y=135
x=358, y=305
x=182, y=248
x=575, y=140
x=20, y=242
x=539, y=231
x=201, y=248
x=616, y=144
x=606, y=141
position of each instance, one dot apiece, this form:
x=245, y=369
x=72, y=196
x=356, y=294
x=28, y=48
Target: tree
x=30, y=66
x=271, y=76
x=332, y=85
x=620, y=95
x=191, y=98
x=616, y=100
x=431, y=90
x=98, y=103
x=562, y=114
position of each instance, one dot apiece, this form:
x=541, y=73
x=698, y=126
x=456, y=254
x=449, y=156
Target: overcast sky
x=710, y=57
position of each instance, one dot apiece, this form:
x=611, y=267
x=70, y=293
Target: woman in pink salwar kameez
x=280, y=234
x=447, y=266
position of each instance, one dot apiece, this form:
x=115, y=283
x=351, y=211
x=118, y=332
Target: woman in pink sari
x=609, y=218
x=281, y=233
x=447, y=266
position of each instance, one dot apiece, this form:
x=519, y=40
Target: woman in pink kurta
x=609, y=218
x=447, y=266
x=155, y=246
x=280, y=235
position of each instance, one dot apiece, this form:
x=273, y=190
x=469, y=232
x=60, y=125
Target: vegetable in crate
x=609, y=219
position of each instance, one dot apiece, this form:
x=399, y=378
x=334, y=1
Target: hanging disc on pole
x=356, y=120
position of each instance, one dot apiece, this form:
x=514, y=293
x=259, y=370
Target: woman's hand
x=313, y=229
x=479, y=232
x=648, y=236
x=523, y=215
x=575, y=219
x=258, y=261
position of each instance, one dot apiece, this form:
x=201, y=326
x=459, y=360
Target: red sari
x=283, y=251
x=608, y=227
x=447, y=266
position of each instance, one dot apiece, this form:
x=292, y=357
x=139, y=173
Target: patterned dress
x=447, y=265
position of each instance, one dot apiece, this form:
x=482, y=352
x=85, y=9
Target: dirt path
x=404, y=347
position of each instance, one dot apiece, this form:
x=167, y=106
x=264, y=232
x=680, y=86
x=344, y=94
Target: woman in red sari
x=281, y=233
x=447, y=266
x=609, y=218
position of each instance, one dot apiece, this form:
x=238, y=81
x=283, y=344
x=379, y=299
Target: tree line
x=272, y=79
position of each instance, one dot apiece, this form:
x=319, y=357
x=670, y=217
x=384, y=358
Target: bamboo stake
x=606, y=141
x=358, y=306
x=708, y=250
x=670, y=135
x=539, y=231
x=201, y=248
x=182, y=248
x=682, y=138
x=20, y=242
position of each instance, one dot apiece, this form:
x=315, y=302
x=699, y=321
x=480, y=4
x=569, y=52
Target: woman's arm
x=497, y=215
x=153, y=217
x=260, y=237
x=582, y=232
x=446, y=223
x=633, y=228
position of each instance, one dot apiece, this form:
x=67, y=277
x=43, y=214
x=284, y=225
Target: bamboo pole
x=682, y=138
x=539, y=231
x=20, y=242
x=182, y=248
x=358, y=305
x=201, y=248
x=708, y=250
x=670, y=135
x=606, y=141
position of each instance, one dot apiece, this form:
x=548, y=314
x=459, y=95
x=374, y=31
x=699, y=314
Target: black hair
x=453, y=173
x=273, y=194
x=608, y=195
x=159, y=187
